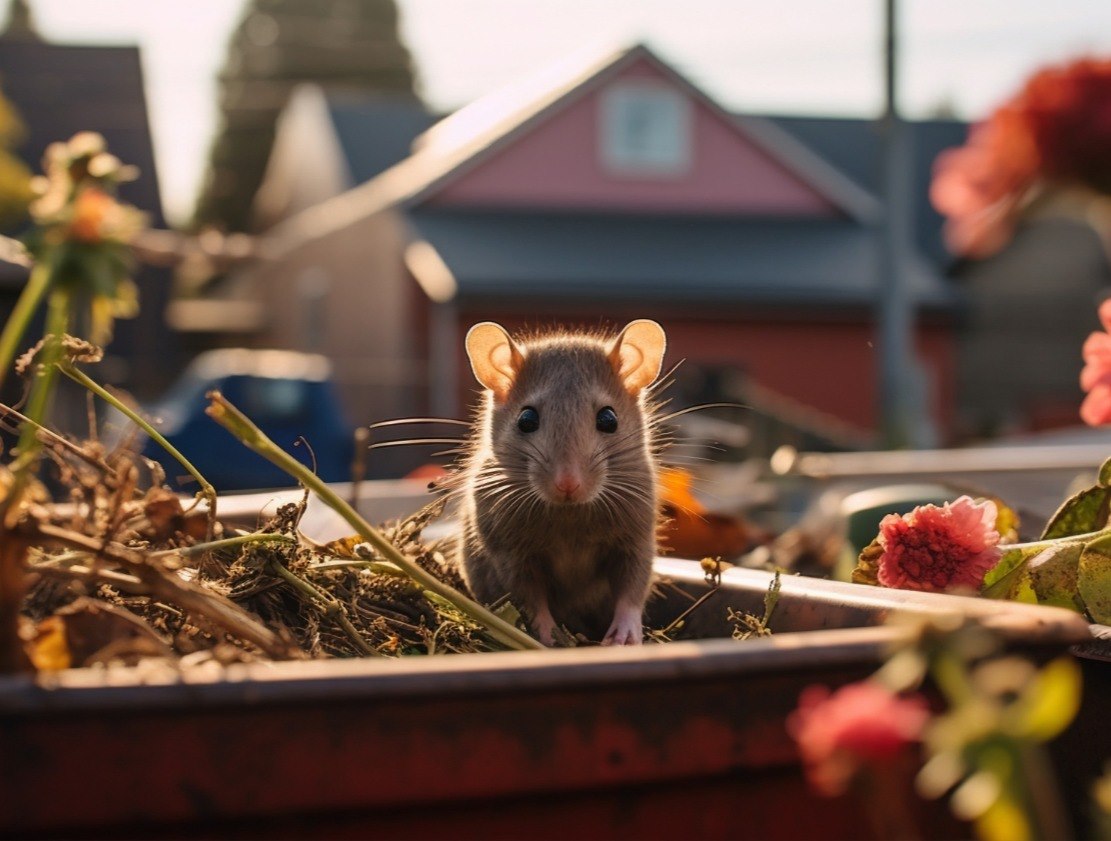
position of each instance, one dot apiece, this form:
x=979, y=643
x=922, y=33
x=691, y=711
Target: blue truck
x=289, y=395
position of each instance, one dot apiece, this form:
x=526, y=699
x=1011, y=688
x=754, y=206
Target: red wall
x=828, y=363
x=556, y=164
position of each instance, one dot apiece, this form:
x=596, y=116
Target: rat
x=559, y=504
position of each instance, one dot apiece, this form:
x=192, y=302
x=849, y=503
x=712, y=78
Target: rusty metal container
x=663, y=741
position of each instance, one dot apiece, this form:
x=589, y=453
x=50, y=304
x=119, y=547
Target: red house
x=612, y=192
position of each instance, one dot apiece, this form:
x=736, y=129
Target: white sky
x=783, y=56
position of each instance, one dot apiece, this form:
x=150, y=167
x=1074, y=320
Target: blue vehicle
x=289, y=395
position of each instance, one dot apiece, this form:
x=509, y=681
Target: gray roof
x=810, y=262
x=376, y=132
x=60, y=90
x=853, y=147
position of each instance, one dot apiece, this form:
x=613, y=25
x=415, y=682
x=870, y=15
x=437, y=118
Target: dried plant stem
x=119, y=580
x=13, y=548
x=187, y=595
x=377, y=567
x=52, y=439
x=207, y=490
x=226, y=543
x=228, y=416
x=332, y=606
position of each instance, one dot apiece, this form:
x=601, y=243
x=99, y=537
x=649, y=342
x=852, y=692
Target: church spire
x=20, y=25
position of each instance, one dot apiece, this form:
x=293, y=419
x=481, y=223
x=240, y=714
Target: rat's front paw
x=544, y=626
x=625, y=630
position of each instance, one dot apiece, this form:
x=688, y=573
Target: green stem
x=239, y=425
x=226, y=543
x=42, y=389
x=207, y=490
x=379, y=567
x=331, y=605
x=16, y=326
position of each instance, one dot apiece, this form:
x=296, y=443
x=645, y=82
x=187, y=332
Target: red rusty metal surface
x=682, y=740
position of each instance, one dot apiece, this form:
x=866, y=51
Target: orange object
x=691, y=531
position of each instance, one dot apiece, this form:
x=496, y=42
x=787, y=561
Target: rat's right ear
x=495, y=359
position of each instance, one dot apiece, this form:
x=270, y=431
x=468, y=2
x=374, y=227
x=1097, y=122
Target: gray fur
x=579, y=558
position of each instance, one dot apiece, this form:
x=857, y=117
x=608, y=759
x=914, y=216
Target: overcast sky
x=782, y=56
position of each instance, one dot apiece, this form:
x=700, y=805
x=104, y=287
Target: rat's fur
x=584, y=564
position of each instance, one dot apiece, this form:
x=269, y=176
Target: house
x=59, y=90
x=607, y=192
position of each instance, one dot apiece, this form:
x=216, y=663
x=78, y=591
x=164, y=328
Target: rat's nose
x=568, y=484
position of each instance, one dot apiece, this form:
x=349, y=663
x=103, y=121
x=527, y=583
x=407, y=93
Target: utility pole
x=902, y=404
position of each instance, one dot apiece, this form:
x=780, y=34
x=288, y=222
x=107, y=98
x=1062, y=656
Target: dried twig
x=332, y=606
x=192, y=597
x=239, y=425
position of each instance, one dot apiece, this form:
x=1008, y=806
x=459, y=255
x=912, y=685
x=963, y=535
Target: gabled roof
x=473, y=134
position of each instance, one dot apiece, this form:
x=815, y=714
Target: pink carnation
x=939, y=549
x=1096, y=376
x=862, y=724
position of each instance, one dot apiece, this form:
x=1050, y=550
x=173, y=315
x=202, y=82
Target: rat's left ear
x=495, y=358
x=638, y=353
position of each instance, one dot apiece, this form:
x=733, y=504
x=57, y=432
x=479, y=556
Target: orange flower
x=1057, y=129
x=92, y=210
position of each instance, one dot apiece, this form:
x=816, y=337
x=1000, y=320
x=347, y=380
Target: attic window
x=645, y=130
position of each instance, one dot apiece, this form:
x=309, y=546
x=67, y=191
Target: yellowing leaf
x=1003, y=821
x=1082, y=513
x=1093, y=579
x=48, y=650
x=1006, y=521
x=1048, y=704
x=868, y=565
x=343, y=547
x=1053, y=575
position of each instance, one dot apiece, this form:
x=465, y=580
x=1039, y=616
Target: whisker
x=406, y=442
x=699, y=407
x=406, y=421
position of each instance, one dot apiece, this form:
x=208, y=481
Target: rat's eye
x=606, y=420
x=528, y=420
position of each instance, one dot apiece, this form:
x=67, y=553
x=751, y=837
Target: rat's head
x=566, y=412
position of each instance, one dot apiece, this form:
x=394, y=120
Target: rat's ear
x=638, y=353
x=495, y=359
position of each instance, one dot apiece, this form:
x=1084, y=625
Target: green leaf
x=1084, y=512
x=1009, y=578
x=1053, y=575
x=1048, y=704
x=1104, y=479
x=1093, y=580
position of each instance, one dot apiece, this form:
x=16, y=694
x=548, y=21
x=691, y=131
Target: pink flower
x=860, y=725
x=1096, y=376
x=939, y=549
